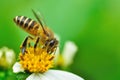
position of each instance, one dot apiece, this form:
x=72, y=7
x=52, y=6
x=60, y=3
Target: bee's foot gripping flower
x=36, y=60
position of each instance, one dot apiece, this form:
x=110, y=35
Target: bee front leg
x=25, y=43
x=37, y=42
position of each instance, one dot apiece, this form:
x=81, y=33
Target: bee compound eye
x=52, y=42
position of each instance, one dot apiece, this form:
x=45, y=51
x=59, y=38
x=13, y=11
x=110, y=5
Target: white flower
x=48, y=75
x=7, y=57
x=66, y=58
x=17, y=68
x=69, y=52
x=37, y=65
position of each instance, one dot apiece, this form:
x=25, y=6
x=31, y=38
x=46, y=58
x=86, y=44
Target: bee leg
x=29, y=45
x=37, y=41
x=52, y=50
x=46, y=45
x=55, y=49
x=25, y=43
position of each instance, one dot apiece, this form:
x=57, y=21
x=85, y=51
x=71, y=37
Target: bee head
x=52, y=45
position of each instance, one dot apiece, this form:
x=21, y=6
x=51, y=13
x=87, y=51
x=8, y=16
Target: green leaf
x=22, y=76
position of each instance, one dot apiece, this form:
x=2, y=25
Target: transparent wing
x=40, y=20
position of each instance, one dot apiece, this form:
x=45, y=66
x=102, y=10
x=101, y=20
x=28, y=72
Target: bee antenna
x=39, y=21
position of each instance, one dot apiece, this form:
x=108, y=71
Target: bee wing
x=41, y=17
x=40, y=20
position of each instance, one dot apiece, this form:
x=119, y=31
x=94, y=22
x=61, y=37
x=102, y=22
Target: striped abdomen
x=27, y=24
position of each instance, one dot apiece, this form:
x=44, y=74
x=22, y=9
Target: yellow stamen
x=36, y=60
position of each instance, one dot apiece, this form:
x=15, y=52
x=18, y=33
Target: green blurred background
x=94, y=25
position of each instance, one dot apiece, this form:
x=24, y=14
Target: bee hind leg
x=25, y=44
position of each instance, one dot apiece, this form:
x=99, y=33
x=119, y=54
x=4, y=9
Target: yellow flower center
x=36, y=60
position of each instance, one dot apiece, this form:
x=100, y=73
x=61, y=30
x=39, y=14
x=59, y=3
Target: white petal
x=1, y=53
x=57, y=54
x=4, y=49
x=37, y=76
x=17, y=67
x=54, y=75
x=61, y=75
x=34, y=76
x=69, y=52
x=10, y=56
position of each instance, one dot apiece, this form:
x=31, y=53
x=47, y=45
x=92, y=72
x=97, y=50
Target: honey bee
x=42, y=34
